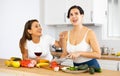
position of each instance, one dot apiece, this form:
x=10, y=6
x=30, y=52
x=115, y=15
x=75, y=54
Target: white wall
x=13, y=15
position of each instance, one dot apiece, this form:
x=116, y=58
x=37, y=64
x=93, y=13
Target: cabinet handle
x=91, y=16
x=118, y=66
x=64, y=17
x=106, y=13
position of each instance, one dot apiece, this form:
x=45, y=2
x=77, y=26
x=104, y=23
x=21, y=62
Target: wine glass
x=38, y=52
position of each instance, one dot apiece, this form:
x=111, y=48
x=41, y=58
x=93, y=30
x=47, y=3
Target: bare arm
x=92, y=40
x=63, y=42
x=57, y=44
x=25, y=55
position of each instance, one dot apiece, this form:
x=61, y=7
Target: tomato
x=54, y=64
x=24, y=63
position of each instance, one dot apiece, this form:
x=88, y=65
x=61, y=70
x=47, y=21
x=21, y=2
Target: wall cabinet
x=109, y=64
x=56, y=11
x=95, y=11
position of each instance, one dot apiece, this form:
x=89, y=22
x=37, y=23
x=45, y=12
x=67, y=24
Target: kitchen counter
x=104, y=57
x=110, y=57
x=10, y=71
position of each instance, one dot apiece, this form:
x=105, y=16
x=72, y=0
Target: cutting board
x=49, y=68
x=46, y=67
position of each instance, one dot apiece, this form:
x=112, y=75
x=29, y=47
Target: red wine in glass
x=38, y=53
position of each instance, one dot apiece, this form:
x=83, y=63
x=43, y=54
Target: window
x=113, y=28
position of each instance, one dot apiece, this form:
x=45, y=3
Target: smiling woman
x=34, y=41
x=80, y=43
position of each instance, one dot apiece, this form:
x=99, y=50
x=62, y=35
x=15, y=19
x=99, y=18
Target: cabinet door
x=87, y=6
x=108, y=64
x=7, y=74
x=99, y=11
x=119, y=66
x=94, y=10
x=55, y=12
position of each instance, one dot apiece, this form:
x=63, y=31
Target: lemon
x=16, y=64
x=118, y=54
x=8, y=63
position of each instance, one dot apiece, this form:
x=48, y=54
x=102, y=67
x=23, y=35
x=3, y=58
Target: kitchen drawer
x=109, y=64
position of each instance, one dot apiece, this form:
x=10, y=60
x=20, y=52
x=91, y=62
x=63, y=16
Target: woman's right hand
x=73, y=55
x=61, y=36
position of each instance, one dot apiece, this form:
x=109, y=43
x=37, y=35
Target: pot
x=57, y=49
x=104, y=50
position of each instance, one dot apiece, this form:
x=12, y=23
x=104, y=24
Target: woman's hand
x=73, y=55
x=61, y=36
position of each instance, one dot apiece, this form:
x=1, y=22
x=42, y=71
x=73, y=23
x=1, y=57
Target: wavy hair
x=26, y=34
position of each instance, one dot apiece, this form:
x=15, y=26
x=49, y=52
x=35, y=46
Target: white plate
x=64, y=69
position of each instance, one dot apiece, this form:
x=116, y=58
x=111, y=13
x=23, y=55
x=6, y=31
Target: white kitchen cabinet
x=109, y=64
x=94, y=11
x=7, y=74
x=56, y=11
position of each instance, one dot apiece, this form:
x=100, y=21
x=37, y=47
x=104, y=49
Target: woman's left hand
x=73, y=55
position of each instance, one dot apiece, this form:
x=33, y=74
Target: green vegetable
x=72, y=68
x=99, y=70
x=91, y=70
x=15, y=59
x=83, y=67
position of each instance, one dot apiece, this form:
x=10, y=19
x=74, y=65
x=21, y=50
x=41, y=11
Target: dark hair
x=77, y=7
x=26, y=35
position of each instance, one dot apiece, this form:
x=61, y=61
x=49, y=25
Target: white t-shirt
x=43, y=46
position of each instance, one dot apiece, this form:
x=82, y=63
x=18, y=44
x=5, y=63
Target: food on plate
x=64, y=68
x=72, y=68
x=83, y=67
